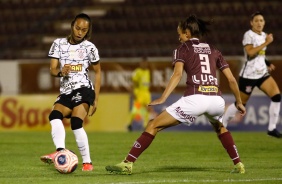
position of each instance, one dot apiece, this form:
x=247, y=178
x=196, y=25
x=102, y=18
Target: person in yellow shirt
x=141, y=79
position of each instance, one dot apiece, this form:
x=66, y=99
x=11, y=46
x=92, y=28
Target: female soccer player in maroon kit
x=202, y=96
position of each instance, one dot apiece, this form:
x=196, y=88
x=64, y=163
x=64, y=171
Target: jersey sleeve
x=93, y=54
x=54, y=50
x=247, y=39
x=179, y=55
x=221, y=62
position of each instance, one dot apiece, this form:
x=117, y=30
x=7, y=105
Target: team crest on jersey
x=80, y=53
x=248, y=89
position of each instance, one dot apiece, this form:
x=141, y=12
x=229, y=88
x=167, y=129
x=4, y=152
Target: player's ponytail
x=197, y=27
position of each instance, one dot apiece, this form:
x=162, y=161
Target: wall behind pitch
x=30, y=113
x=9, y=77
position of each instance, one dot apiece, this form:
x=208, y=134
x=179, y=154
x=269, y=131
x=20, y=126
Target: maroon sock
x=142, y=143
x=228, y=143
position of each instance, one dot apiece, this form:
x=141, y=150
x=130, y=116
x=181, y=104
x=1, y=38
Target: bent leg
x=164, y=120
x=227, y=141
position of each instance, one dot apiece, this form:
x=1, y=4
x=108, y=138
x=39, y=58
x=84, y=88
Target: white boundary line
x=202, y=181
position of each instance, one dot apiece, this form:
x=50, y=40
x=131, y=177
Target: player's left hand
x=241, y=108
x=271, y=68
x=92, y=109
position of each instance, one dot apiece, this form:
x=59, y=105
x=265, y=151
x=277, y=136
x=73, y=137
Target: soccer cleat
x=49, y=159
x=87, y=167
x=125, y=167
x=274, y=133
x=239, y=168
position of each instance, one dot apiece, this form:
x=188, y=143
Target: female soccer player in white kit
x=256, y=73
x=202, y=96
x=73, y=55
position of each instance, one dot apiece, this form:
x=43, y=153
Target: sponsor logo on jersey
x=206, y=79
x=75, y=68
x=207, y=89
x=202, y=48
x=185, y=116
x=262, y=52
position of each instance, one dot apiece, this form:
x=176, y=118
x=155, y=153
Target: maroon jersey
x=201, y=61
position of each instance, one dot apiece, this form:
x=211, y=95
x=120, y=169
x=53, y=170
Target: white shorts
x=188, y=108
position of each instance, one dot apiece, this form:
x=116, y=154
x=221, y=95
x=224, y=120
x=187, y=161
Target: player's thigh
x=216, y=105
x=270, y=87
x=244, y=97
x=63, y=104
x=163, y=120
x=63, y=109
x=80, y=111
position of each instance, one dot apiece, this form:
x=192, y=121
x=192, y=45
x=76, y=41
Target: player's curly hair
x=197, y=27
x=88, y=19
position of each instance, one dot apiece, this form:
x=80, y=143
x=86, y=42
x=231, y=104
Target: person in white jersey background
x=70, y=59
x=199, y=60
x=256, y=73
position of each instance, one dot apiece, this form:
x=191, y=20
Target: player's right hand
x=66, y=70
x=241, y=108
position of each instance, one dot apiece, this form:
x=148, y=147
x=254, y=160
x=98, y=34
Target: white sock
x=229, y=114
x=274, y=110
x=82, y=144
x=58, y=133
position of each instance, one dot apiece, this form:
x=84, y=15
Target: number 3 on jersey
x=205, y=63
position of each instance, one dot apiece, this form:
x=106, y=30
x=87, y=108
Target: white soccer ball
x=65, y=161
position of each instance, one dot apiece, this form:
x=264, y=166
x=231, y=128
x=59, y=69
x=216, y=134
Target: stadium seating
x=130, y=28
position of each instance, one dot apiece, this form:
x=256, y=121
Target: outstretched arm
x=173, y=82
x=235, y=90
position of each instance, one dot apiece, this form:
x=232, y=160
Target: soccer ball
x=65, y=161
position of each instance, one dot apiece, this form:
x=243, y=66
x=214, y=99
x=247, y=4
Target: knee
x=218, y=127
x=55, y=115
x=276, y=98
x=151, y=126
x=76, y=123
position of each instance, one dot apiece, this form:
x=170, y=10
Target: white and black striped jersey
x=79, y=57
x=254, y=68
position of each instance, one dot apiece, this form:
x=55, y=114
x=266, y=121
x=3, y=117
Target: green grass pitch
x=173, y=157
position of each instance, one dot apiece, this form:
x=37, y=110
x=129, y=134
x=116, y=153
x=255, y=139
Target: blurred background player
x=202, y=95
x=256, y=73
x=140, y=111
x=77, y=99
